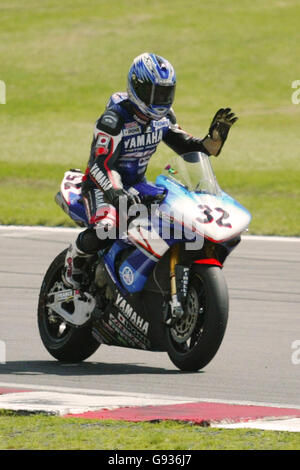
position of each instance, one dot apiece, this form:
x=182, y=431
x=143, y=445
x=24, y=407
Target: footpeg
x=73, y=306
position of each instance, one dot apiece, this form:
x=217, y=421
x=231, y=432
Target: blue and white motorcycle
x=159, y=286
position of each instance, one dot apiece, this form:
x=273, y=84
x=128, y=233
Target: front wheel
x=195, y=339
x=64, y=342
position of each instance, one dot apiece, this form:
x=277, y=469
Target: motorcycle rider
x=125, y=137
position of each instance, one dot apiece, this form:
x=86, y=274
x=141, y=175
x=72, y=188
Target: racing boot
x=74, y=262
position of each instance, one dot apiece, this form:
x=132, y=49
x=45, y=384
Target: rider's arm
x=105, y=151
x=182, y=142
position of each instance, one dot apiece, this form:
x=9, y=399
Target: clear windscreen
x=194, y=171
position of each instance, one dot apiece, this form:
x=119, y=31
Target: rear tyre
x=64, y=342
x=195, y=339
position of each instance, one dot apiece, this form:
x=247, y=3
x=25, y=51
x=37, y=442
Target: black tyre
x=63, y=341
x=194, y=340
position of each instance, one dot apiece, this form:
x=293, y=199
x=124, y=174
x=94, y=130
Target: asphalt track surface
x=257, y=361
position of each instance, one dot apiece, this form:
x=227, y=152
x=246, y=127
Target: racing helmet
x=151, y=85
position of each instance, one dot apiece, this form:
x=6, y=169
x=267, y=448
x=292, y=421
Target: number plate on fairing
x=221, y=217
x=218, y=218
x=71, y=185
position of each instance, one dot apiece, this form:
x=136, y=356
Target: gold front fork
x=176, y=308
x=174, y=259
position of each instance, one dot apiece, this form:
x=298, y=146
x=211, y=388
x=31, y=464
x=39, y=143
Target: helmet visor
x=163, y=94
x=154, y=94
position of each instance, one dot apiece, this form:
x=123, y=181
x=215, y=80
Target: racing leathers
x=122, y=145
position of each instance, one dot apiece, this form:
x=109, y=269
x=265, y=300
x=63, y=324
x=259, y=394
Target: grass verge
x=41, y=432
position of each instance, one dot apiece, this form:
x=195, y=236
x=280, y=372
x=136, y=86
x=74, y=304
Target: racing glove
x=218, y=130
x=113, y=196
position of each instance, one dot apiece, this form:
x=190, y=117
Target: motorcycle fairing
x=126, y=322
x=71, y=200
x=216, y=217
x=219, y=217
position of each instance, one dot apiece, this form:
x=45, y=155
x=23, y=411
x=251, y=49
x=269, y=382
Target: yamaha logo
x=127, y=276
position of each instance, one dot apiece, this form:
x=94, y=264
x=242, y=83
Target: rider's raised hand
x=218, y=130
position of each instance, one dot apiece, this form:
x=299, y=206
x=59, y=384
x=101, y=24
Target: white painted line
x=41, y=228
x=38, y=228
x=66, y=403
x=269, y=238
x=290, y=425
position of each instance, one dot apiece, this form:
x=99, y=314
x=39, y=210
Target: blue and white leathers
x=123, y=145
x=137, y=143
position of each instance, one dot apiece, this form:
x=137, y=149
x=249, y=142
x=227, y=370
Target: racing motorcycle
x=159, y=286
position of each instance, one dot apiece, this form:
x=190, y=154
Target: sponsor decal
x=100, y=177
x=132, y=332
x=143, y=140
x=128, y=125
x=131, y=128
x=160, y=124
x=121, y=334
x=64, y=295
x=131, y=315
x=126, y=333
x=127, y=275
x=99, y=198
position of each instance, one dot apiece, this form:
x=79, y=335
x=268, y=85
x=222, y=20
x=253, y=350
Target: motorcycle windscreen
x=194, y=171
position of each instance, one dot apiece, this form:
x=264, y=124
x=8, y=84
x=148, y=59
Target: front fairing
x=209, y=212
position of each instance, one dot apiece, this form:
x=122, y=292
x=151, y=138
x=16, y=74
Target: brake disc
x=183, y=328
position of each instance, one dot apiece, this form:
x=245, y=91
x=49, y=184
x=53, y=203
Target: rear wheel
x=195, y=339
x=62, y=340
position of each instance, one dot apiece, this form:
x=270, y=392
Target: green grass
x=62, y=59
x=56, y=433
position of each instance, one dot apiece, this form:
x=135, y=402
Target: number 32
x=208, y=217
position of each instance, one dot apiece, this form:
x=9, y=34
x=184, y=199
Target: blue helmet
x=151, y=85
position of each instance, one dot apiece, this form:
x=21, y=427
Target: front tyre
x=63, y=341
x=195, y=339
